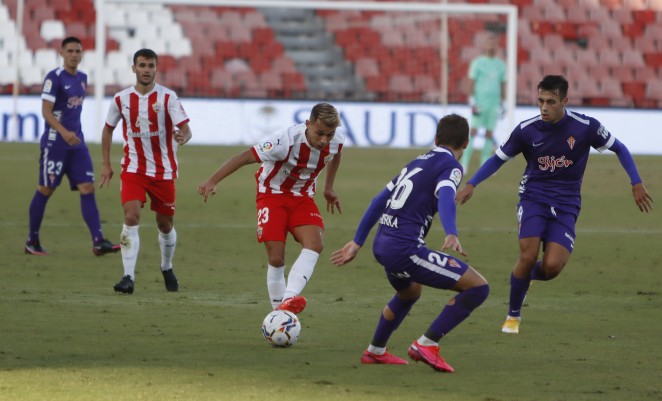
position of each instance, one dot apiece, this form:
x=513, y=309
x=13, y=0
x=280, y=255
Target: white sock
x=376, y=350
x=167, y=243
x=300, y=273
x=426, y=342
x=130, y=241
x=276, y=284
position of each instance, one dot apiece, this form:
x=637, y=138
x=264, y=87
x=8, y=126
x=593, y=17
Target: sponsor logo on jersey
x=572, y=240
x=602, y=131
x=75, y=101
x=456, y=176
x=571, y=142
x=144, y=134
x=400, y=274
x=551, y=163
x=266, y=146
x=48, y=85
x=389, y=220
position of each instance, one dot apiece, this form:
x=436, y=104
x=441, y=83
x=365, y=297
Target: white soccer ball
x=281, y=328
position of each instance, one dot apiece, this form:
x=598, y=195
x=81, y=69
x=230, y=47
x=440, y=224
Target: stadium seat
x=654, y=90
x=633, y=58
x=52, y=30
x=609, y=58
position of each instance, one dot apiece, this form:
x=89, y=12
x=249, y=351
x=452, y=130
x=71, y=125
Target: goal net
x=334, y=50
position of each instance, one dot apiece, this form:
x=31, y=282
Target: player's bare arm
x=464, y=194
x=642, y=198
x=183, y=134
x=233, y=164
x=453, y=243
x=106, y=167
x=332, y=201
x=345, y=254
x=47, y=112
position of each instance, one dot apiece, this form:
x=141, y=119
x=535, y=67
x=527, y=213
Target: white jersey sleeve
x=113, y=117
x=275, y=148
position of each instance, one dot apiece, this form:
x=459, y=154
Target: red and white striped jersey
x=290, y=165
x=148, y=123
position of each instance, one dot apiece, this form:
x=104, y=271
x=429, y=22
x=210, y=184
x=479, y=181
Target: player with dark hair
x=64, y=151
x=154, y=126
x=291, y=161
x=556, y=146
x=405, y=210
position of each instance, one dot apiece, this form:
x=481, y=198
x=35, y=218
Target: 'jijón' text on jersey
x=67, y=93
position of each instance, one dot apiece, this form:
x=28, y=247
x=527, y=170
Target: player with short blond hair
x=291, y=160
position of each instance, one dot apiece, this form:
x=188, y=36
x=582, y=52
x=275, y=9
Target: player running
x=556, y=146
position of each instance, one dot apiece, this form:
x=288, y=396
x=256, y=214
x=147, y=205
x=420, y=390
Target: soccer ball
x=281, y=328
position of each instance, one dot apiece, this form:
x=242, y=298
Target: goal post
x=421, y=10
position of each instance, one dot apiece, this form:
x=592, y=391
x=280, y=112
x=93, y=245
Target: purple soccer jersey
x=67, y=93
x=556, y=157
x=416, y=187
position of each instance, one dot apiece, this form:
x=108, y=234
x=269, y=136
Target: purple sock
x=385, y=327
x=88, y=205
x=518, y=289
x=37, y=210
x=452, y=315
x=537, y=273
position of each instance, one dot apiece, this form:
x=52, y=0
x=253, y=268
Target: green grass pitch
x=591, y=334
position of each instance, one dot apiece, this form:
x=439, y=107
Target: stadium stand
x=610, y=49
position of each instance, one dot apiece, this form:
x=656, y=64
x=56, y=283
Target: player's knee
x=86, y=188
x=528, y=260
x=551, y=270
x=46, y=191
x=276, y=260
x=473, y=297
x=131, y=219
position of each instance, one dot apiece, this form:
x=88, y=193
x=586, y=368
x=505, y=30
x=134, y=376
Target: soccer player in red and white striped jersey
x=154, y=125
x=291, y=161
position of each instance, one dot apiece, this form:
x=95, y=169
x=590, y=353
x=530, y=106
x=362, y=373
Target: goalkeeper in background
x=487, y=79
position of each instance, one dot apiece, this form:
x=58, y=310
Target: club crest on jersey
x=259, y=231
x=571, y=142
x=266, y=146
x=453, y=263
x=156, y=107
